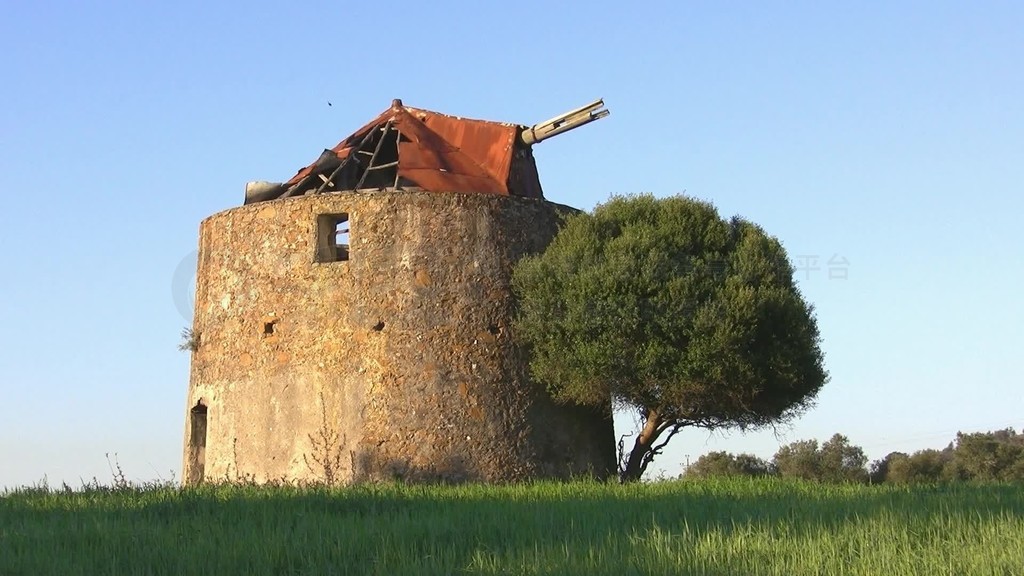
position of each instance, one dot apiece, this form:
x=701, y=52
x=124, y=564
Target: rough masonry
x=366, y=335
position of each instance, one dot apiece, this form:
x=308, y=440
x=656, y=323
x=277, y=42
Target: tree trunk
x=638, y=460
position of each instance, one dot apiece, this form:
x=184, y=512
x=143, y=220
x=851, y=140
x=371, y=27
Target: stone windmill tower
x=353, y=323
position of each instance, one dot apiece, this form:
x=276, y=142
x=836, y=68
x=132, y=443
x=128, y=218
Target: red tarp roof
x=442, y=153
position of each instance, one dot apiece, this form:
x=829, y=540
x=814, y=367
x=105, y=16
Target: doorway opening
x=197, y=443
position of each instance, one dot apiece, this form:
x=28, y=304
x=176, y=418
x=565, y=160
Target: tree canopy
x=996, y=456
x=726, y=464
x=665, y=307
x=835, y=461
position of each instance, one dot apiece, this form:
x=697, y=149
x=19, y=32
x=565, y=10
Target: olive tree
x=726, y=464
x=834, y=461
x=663, y=306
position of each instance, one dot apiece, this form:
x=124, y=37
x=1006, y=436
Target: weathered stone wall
x=398, y=362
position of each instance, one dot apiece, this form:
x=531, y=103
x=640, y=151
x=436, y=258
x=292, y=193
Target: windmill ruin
x=354, y=322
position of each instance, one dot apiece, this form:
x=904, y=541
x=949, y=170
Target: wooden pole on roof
x=380, y=143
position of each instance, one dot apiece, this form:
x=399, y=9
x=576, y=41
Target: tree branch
x=622, y=456
x=673, y=428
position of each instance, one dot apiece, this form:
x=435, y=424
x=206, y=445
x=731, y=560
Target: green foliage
x=991, y=456
x=799, y=459
x=726, y=464
x=835, y=461
x=880, y=469
x=666, y=307
x=978, y=457
x=719, y=526
x=842, y=462
x=189, y=340
x=983, y=456
x=920, y=467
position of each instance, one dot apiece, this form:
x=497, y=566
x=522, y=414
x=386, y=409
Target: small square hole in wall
x=332, y=237
x=268, y=328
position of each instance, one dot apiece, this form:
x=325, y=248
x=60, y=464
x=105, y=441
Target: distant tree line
x=983, y=456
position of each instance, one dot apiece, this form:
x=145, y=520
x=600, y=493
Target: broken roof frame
x=407, y=147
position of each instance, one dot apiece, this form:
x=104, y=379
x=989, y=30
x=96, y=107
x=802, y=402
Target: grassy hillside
x=684, y=527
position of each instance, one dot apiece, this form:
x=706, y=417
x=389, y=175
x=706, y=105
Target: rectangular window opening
x=332, y=242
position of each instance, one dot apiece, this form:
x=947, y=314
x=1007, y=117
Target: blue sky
x=886, y=135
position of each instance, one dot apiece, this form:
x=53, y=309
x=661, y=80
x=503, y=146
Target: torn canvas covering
x=407, y=147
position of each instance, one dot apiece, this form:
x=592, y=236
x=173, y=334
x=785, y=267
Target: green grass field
x=680, y=527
